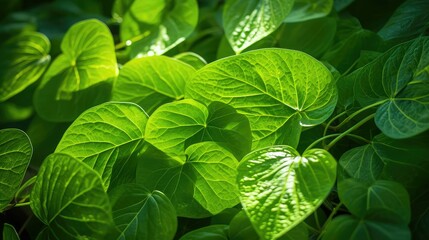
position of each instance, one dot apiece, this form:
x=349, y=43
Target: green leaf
x=24, y=59
x=342, y=4
x=152, y=81
x=246, y=22
x=362, y=163
x=278, y=90
x=279, y=188
x=69, y=198
x=378, y=225
x=9, y=232
x=212, y=232
x=304, y=10
x=192, y=59
x=175, y=126
x=361, y=198
x=81, y=76
x=107, y=137
x=399, y=81
x=410, y=19
x=15, y=155
x=201, y=186
x=141, y=214
x=154, y=27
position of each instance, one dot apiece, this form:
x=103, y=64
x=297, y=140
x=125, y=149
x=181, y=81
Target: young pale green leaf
x=107, y=138
x=154, y=27
x=399, y=81
x=192, y=59
x=81, y=76
x=378, y=225
x=361, y=198
x=24, y=58
x=246, y=22
x=152, y=81
x=279, y=188
x=175, y=126
x=9, y=232
x=361, y=163
x=141, y=214
x=304, y=10
x=201, y=186
x=15, y=155
x=278, y=90
x=409, y=20
x=212, y=232
x=69, y=198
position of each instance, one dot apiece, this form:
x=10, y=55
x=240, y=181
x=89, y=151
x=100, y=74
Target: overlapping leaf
x=304, y=10
x=175, y=126
x=202, y=185
x=278, y=90
x=107, y=137
x=9, y=232
x=69, y=198
x=154, y=27
x=15, y=155
x=141, y=214
x=192, y=59
x=279, y=188
x=248, y=22
x=81, y=76
x=152, y=81
x=25, y=58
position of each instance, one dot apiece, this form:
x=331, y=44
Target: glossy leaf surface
x=107, y=137
x=278, y=90
x=279, y=188
x=69, y=198
x=202, y=185
x=141, y=214
x=15, y=155
x=81, y=76
x=304, y=10
x=246, y=22
x=154, y=27
x=152, y=81
x=24, y=60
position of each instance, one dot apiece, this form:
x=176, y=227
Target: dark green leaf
x=81, y=76
x=141, y=214
x=24, y=59
x=152, y=81
x=246, y=22
x=202, y=185
x=154, y=27
x=304, y=10
x=279, y=188
x=69, y=198
x=341, y=4
x=15, y=155
x=107, y=137
x=212, y=232
x=9, y=232
x=278, y=90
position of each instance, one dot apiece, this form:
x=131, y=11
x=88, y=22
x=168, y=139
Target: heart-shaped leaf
x=246, y=22
x=154, y=27
x=278, y=90
x=175, y=126
x=152, y=81
x=141, y=214
x=69, y=198
x=361, y=198
x=24, y=59
x=15, y=155
x=202, y=185
x=107, y=137
x=279, y=188
x=81, y=76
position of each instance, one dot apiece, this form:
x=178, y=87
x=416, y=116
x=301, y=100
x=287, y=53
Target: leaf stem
x=22, y=204
x=354, y=127
x=24, y=186
x=331, y=121
x=333, y=213
x=335, y=135
x=356, y=113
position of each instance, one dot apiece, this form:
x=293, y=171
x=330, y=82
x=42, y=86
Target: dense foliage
x=186, y=119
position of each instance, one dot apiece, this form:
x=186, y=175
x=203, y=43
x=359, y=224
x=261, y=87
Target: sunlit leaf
x=304, y=10
x=192, y=59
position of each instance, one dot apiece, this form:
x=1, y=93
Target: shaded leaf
x=279, y=188
x=9, y=232
x=192, y=59
x=212, y=232
x=304, y=10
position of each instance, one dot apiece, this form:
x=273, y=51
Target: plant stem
x=24, y=186
x=335, y=135
x=356, y=113
x=331, y=121
x=22, y=204
x=334, y=211
x=354, y=127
